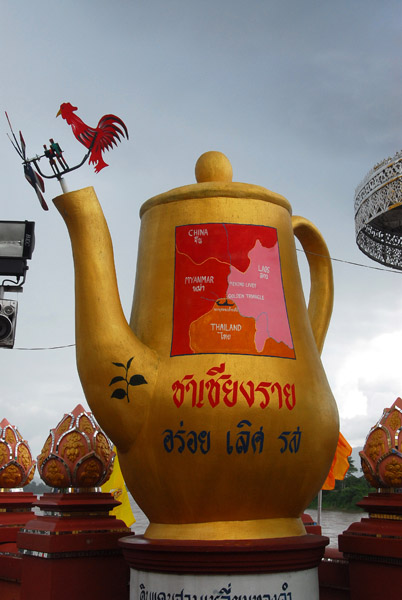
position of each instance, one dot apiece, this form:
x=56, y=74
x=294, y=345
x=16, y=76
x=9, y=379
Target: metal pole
x=319, y=507
x=63, y=185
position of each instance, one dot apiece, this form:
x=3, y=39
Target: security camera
x=8, y=320
x=17, y=242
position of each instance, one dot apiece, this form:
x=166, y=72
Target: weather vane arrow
x=107, y=133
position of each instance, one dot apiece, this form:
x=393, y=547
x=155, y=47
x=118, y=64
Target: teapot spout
x=117, y=371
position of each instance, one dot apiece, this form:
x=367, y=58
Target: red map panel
x=228, y=292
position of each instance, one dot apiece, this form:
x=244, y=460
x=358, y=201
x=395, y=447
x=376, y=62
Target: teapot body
x=215, y=395
x=243, y=425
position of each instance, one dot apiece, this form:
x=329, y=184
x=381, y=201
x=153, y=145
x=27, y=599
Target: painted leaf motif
x=119, y=393
x=216, y=370
x=117, y=364
x=137, y=380
x=130, y=360
x=116, y=379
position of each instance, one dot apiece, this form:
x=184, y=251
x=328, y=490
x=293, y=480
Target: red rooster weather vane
x=103, y=137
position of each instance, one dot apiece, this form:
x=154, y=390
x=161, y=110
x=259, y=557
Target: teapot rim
x=216, y=189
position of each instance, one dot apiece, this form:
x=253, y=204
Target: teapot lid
x=213, y=173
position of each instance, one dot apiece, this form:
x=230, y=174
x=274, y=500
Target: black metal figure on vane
x=96, y=140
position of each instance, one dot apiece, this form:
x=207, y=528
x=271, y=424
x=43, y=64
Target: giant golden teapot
x=214, y=394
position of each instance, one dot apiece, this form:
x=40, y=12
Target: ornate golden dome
x=16, y=465
x=76, y=453
x=381, y=456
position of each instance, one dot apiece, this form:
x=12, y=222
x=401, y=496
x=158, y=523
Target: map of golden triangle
x=228, y=292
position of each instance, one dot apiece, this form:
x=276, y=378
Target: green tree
x=352, y=468
x=346, y=493
x=349, y=473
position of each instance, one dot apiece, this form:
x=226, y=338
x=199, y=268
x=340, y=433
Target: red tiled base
x=373, y=548
x=10, y=572
x=15, y=511
x=71, y=550
x=310, y=525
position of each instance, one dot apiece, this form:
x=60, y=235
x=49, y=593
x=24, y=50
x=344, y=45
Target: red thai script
x=221, y=388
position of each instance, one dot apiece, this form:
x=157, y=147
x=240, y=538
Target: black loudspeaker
x=8, y=320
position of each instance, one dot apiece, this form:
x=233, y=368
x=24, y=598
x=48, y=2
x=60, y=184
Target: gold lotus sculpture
x=16, y=465
x=76, y=453
x=381, y=457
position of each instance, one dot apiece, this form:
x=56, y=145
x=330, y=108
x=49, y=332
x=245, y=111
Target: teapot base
x=253, y=529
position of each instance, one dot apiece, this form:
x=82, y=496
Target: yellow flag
x=340, y=464
x=116, y=486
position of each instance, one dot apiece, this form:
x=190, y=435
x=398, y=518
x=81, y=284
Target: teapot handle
x=321, y=298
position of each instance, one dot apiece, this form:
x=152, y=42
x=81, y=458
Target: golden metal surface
x=260, y=529
x=218, y=493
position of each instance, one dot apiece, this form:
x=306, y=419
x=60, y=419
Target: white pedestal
x=296, y=585
x=273, y=569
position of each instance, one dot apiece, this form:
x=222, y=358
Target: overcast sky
x=304, y=97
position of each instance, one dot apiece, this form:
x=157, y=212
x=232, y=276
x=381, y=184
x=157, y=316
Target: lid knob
x=213, y=166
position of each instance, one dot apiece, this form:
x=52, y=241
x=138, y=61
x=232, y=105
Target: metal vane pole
x=63, y=184
x=319, y=507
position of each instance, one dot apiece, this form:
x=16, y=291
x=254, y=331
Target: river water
x=333, y=522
